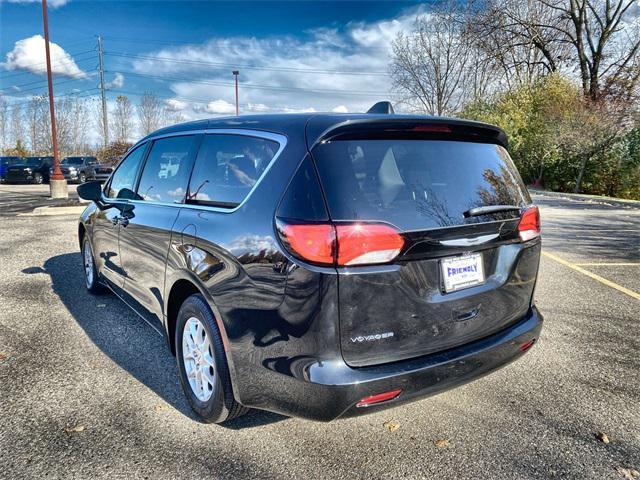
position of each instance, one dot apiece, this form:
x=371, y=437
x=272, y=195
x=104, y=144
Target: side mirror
x=90, y=191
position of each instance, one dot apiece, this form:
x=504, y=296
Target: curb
x=54, y=211
x=587, y=198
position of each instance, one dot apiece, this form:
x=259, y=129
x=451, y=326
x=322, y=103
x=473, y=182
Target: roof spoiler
x=384, y=108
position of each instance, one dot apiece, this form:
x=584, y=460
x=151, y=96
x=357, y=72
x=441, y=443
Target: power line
x=44, y=63
x=64, y=95
x=20, y=85
x=256, y=86
x=249, y=106
x=200, y=43
x=250, y=67
x=61, y=82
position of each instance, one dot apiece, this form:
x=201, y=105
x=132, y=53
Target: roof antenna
x=382, y=107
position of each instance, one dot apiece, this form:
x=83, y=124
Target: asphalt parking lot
x=17, y=199
x=88, y=390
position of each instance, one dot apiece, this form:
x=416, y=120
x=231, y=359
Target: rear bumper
x=331, y=389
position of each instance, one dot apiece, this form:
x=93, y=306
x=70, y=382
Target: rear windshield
x=417, y=184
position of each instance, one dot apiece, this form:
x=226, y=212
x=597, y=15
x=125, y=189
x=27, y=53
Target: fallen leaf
x=4, y=355
x=603, y=437
x=628, y=473
x=76, y=429
x=441, y=442
x=391, y=425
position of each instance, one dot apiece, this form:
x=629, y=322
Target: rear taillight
x=342, y=244
x=529, y=226
x=315, y=243
x=361, y=243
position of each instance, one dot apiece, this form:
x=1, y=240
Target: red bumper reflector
x=380, y=397
x=527, y=345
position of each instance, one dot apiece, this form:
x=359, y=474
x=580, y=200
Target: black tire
x=92, y=281
x=38, y=179
x=221, y=405
x=82, y=177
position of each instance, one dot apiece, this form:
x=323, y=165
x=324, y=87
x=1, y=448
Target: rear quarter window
x=417, y=184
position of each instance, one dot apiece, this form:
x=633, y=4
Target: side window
x=227, y=168
x=124, y=178
x=166, y=172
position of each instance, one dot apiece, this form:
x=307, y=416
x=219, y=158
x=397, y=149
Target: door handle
x=124, y=221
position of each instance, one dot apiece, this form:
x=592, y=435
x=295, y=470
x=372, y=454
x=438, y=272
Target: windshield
x=9, y=160
x=72, y=161
x=417, y=184
x=33, y=161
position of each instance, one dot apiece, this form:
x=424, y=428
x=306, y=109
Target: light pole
x=235, y=74
x=57, y=183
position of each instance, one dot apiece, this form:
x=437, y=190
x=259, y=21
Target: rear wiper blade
x=489, y=209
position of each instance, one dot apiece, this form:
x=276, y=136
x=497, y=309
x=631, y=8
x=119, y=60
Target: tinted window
x=166, y=172
x=9, y=160
x=123, y=180
x=227, y=168
x=416, y=184
x=72, y=161
x=33, y=161
x=303, y=198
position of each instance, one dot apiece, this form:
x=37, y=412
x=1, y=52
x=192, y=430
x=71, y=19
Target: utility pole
x=235, y=74
x=57, y=183
x=105, y=123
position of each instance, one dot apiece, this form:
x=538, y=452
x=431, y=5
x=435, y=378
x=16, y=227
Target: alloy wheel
x=88, y=264
x=199, y=363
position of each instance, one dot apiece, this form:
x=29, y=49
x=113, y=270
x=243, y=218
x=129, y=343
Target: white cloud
x=220, y=107
x=176, y=105
x=29, y=54
x=256, y=107
x=50, y=3
x=117, y=82
x=333, y=69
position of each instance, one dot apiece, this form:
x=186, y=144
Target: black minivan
x=320, y=265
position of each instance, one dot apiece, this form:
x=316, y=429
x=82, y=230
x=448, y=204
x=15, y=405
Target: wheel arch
x=82, y=231
x=182, y=288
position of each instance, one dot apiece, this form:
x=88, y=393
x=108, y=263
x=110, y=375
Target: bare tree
x=429, y=65
x=16, y=129
x=598, y=38
x=150, y=113
x=4, y=123
x=38, y=123
x=122, y=119
x=80, y=126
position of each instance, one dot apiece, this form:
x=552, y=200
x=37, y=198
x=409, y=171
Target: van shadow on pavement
x=126, y=339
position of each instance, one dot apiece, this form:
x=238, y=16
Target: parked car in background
x=77, y=169
x=30, y=170
x=102, y=172
x=320, y=265
x=6, y=162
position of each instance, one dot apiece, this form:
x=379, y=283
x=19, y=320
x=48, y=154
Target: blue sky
x=292, y=56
